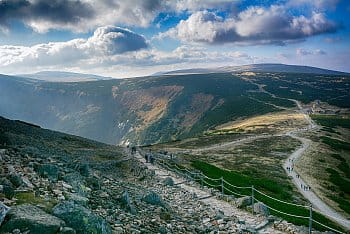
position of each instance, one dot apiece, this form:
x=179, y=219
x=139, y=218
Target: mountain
x=155, y=109
x=58, y=76
x=263, y=67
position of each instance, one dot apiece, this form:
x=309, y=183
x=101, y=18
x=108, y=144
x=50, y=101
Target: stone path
x=207, y=198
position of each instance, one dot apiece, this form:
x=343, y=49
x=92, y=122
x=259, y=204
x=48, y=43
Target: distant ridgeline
x=155, y=109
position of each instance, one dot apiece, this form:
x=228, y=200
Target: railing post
x=201, y=180
x=310, y=219
x=222, y=186
x=253, y=199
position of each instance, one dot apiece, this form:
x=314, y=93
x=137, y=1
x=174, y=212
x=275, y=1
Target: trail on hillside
x=299, y=182
x=258, y=222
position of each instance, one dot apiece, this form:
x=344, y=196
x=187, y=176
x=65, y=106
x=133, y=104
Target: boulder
x=169, y=181
x=67, y=230
x=84, y=169
x=126, y=202
x=77, y=199
x=153, y=199
x=15, y=179
x=243, y=201
x=81, y=219
x=3, y=211
x=7, y=188
x=261, y=208
x=31, y=218
x=49, y=171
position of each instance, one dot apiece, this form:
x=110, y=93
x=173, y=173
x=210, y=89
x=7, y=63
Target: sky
x=122, y=38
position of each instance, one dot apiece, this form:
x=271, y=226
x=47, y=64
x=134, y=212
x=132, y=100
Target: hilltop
x=155, y=109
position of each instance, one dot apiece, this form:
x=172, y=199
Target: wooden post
x=310, y=219
x=201, y=176
x=253, y=199
x=222, y=186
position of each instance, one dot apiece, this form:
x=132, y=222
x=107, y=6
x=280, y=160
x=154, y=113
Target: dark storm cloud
x=54, y=11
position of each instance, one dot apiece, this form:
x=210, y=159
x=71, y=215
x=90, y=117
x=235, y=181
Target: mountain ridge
x=260, y=67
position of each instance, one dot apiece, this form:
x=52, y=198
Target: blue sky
x=139, y=37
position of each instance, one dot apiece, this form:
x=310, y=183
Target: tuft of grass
x=30, y=198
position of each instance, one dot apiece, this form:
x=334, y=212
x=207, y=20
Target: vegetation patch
x=335, y=143
x=332, y=121
x=279, y=191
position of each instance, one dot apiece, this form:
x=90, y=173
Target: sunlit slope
x=161, y=108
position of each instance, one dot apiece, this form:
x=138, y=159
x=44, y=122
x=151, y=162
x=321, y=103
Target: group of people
x=290, y=169
x=305, y=187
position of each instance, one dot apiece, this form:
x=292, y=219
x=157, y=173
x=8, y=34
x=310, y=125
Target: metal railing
x=222, y=185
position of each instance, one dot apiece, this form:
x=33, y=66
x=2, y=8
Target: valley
x=248, y=126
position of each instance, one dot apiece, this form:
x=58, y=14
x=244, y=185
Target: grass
x=335, y=143
x=30, y=198
x=266, y=185
x=332, y=121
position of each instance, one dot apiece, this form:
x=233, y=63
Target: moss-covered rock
x=28, y=217
x=81, y=219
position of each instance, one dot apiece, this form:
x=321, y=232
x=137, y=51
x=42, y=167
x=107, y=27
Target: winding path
x=299, y=182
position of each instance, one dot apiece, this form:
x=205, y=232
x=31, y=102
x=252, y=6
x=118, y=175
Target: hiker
x=151, y=159
x=146, y=158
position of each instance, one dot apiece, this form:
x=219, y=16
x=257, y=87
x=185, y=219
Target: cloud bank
x=255, y=25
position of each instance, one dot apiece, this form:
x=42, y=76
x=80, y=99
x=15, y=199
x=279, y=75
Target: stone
x=125, y=200
x=49, y=171
x=67, y=230
x=28, y=217
x=85, y=170
x=77, y=199
x=153, y=199
x=169, y=181
x=243, y=201
x=261, y=208
x=7, y=188
x=81, y=219
x=27, y=183
x=15, y=179
x=3, y=211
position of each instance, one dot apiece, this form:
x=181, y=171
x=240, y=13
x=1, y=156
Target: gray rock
x=31, y=218
x=67, y=230
x=81, y=219
x=15, y=179
x=77, y=199
x=7, y=188
x=50, y=171
x=85, y=170
x=153, y=199
x=3, y=211
x=126, y=202
x=169, y=181
x=243, y=201
x=261, y=208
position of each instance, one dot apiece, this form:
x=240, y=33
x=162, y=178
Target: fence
x=227, y=188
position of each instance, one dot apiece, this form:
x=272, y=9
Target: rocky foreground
x=56, y=183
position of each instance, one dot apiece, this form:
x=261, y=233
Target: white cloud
x=303, y=52
x=255, y=25
x=111, y=51
x=106, y=41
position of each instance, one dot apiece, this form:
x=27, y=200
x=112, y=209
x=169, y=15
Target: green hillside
x=161, y=108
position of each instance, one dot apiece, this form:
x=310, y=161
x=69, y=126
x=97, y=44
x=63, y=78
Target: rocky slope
x=58, y=183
